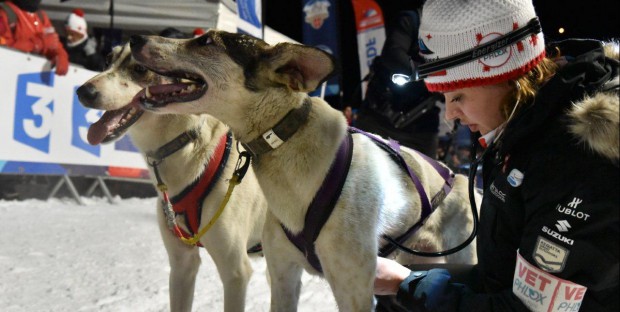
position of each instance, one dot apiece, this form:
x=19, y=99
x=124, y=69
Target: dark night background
x=580, y=19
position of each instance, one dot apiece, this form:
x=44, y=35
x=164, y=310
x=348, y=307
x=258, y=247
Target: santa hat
x=76, y=22
x=198, y=32
x=450, y=27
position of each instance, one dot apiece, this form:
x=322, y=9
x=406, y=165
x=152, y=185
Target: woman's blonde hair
x=527, y=86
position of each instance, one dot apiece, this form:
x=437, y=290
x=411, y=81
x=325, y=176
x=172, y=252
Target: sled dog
x=194, y=156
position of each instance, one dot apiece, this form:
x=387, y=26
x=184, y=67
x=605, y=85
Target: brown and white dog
x=239, y=226
x=255, y=88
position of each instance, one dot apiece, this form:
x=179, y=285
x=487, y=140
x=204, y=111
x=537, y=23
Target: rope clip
x=242, y=166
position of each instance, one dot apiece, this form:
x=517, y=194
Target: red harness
x=189, y=201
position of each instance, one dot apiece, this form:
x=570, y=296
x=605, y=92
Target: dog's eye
x=139, y=69
x=205, y=40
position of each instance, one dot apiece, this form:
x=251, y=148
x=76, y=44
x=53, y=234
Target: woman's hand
x=388, y=276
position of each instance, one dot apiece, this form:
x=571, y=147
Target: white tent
x=152, y=16
x=138, y=15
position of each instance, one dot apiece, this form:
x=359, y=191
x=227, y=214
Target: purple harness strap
x=325, y=200
x=323, y=204
x=428, y=207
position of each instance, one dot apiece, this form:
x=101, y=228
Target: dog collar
x=281, y=132
x=173, y=146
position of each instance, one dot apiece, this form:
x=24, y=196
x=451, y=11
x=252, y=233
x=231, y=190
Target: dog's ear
x=301, y=68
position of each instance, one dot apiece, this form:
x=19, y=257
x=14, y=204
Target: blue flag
x=250, y=18
x=320, y=30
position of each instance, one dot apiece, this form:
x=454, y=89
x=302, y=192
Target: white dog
x=185, y=149
x=260, y=91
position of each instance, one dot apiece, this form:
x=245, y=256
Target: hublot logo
x=572, y=212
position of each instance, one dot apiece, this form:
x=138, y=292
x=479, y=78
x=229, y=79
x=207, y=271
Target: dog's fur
x=250, y=86
x=239, y=226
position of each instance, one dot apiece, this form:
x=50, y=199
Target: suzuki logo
x=576, y=201
x=563, y=225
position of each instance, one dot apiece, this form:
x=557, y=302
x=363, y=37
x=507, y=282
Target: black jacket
x=563, y=216
x=552, y=197
x=86, y=54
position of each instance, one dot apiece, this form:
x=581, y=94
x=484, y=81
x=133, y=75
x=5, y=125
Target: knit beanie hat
x=76, y=22
x=449, y=27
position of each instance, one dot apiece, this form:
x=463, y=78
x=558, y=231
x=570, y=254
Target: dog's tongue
x=100, y=129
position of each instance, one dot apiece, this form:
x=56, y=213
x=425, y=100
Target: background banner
x=370, y=34
x=43, y=126
x=250, y=17
x=320, y=30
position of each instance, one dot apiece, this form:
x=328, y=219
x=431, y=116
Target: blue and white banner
x=320, y=29
x=43, y=126
x=250, y=18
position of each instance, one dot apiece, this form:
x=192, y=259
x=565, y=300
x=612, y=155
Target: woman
x=82, y=48
x=549, y=228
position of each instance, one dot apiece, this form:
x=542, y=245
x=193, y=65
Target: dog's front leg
x=184, y=263
x=229, y=252
x=349, y=265
x=283, y=267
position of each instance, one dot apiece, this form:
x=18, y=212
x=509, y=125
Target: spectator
x=81, y=47
x=549, y=219
x=404, y=112
x=26, y=28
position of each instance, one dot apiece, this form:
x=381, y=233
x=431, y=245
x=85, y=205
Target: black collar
x=281, y=132
x=173, y=146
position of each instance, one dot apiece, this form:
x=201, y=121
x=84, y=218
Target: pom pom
x=78, y=12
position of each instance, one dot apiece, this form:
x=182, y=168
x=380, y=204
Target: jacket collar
x=582, y=78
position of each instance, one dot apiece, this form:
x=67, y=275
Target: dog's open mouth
x=113, y=124
x=188, y=88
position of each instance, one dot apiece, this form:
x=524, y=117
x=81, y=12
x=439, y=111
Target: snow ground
x=58, y=256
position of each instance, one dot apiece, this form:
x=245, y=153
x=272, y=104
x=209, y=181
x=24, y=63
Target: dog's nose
x=136, y=42
x=87, y=94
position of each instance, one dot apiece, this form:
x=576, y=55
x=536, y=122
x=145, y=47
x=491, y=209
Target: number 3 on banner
x=40, y=108
x=34, y=110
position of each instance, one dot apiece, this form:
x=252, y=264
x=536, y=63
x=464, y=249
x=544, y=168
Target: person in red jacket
x=26, y=28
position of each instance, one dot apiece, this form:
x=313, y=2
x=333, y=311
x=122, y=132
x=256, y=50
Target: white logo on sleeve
x=562, y=225
x=499, y=194
x=543, y=292
x=571, y=209
x=549, y=256
x=515, y=178
x=576, y=201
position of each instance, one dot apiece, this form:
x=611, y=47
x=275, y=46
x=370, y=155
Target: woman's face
x=479, y=108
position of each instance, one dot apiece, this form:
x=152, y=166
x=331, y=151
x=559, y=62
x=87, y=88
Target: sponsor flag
x=320, y=30
x=250, y=19
x=370, y=34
